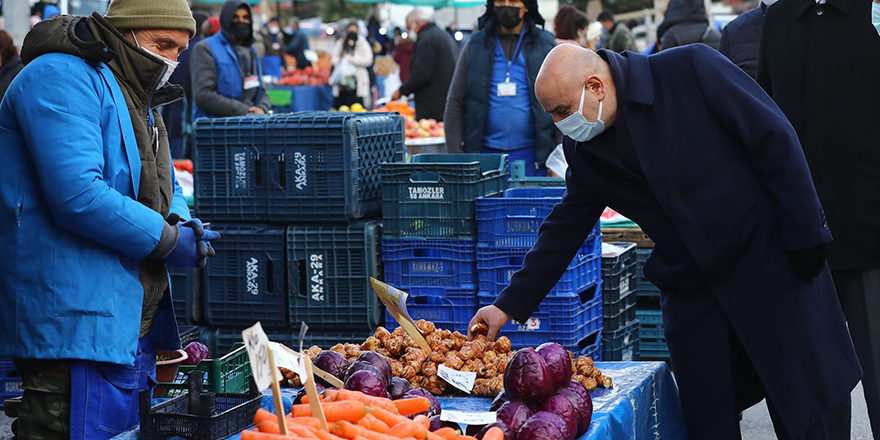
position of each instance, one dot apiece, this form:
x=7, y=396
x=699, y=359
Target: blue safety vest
x=510, y=124
x=230, y=82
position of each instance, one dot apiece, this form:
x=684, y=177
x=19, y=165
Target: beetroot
x=421, y=392
x=367, y=382
x=378, y=361
x=562, y=407
x=333, y=363
x=513, y=413
x=585, y=414
x=508, y=433
x=527, y=377
x=196, y=352
x=544, y=426
x=558, y=362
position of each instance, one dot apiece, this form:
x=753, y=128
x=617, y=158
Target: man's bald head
x=563, y=75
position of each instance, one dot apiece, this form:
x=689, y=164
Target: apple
x=424, y=124
x=432, y=123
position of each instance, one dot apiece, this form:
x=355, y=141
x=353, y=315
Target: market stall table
x=301, y=98
x=643, y=404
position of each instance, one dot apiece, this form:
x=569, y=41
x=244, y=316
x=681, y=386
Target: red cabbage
x=558, y=362
x=544, y=426
x=527, y=377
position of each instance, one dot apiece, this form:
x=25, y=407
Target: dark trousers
x=347, y=97
x=859, y=293
x=716, y=378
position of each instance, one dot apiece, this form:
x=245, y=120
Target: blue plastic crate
x=591, y=346
x=518, y=178
x=184, y=289
x=328, y=275
x=430, y=265
x=308, y=166
x=9, y=382
x=566, y=320
x=452, y=311
x=652, y=338
x=644, y=287
x=621, y=344
x=433, y=196
x=244, y=282
x=496, y=267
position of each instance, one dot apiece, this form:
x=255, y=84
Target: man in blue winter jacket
x=90, y=214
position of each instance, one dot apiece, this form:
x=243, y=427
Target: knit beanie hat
x=151, y=14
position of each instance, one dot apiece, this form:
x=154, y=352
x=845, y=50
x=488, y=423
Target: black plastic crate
x=429, y=265
x=433, y=196
x=618, y=272
x=622, y=344
x=644, y=287
x=329, y=270
x=188, y=333
x=308, y=166
x=198, y=415
x=620, y=313
x=244, y=282
x=185, y=294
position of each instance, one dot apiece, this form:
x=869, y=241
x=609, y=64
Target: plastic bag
x=344, y=75
x=392, y=83
x=556, y=161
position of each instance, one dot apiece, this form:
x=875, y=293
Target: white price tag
x=257, y=344
x=466, y=418
x=460, y=379
x=395, y=302
x=533, y=324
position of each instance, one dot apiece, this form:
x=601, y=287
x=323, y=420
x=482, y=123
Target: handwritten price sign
x=395, y=303
x=257, y=344
x=462, y=380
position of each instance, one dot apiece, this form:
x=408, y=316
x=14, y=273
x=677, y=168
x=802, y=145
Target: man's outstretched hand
x=491, y=316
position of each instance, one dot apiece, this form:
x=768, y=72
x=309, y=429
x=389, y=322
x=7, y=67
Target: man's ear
x=596, y=87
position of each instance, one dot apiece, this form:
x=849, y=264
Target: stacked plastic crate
x=429, y=245
x=297, y=201
x=620, y=334
x=653, y=340
x=571, y=314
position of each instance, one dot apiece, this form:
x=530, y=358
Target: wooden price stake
x=317, y=372
x=263, y=367
x=395, y=303
x=308, y=380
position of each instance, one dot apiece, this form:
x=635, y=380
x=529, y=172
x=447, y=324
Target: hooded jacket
x=8, y=70
x=686, y=22
x=210, y=95
x=84, y=191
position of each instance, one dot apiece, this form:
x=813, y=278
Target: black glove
x=808, y=263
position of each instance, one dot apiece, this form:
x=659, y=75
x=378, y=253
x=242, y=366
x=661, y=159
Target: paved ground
x=755, y=424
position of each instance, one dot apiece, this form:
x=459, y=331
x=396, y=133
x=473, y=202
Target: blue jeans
x=104, y=396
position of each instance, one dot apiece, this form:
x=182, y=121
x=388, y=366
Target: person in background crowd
x=620, y=38
x=684, y=142
x=355, y=50
x=178, y=115
x=90, y=221
x=571, y=26
x=273, y=60
x=431, y=68
x=686, y=22
x=37, y=13
x=741, y=38
x=594, y=34
x=226, y=71
x=210, y=27
x=403, y=53
x=50, y=11
x=10, y=62
x=297, y=43
x=818, y=61
x=491, y=106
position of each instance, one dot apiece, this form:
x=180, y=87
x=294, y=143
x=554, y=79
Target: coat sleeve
x=178, y=201
x=69, y=159
x=204, y=80
x=771, y=146
x=363, y=54
x=422, y=66
x=560, y=237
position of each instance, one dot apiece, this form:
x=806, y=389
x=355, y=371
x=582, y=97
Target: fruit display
x=425, y=128
x=305, y=77
x=399, y=107
x=356, y=108
x=404, y=359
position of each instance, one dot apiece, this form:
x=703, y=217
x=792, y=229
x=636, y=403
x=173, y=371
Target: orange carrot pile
x=352, y=415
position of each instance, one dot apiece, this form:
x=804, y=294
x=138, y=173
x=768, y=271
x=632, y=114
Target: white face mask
x=582, y=38
x=576, y=125
x=171, y=65
x=875, y=15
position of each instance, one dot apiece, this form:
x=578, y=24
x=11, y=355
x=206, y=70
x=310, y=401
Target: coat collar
x=640, y=85
x=806, y=5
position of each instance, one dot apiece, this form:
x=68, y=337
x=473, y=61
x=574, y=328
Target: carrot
x=257, y=435
x=447, y=433
x=350, y=411
x=371, y=401
x=376, y=424
x=413, y=405
x=301, y=431
x=324, y=435
x=466, y=437
x=309, y=421
x=269, y=426
x=432, y=436
x=494, y=433
x=321, y=398
x=262, y=415
x=388, y=417
x=350, y=431
x=365, y=422
x=411, y=429
x=424, y=421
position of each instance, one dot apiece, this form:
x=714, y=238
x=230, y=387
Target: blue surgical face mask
x=875, y=16
x=576, y=125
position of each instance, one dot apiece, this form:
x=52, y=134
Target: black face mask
x=508, y=16
x=352, y=36
x=242, y=31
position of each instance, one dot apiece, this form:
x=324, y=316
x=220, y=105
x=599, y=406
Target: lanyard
x=515, y=51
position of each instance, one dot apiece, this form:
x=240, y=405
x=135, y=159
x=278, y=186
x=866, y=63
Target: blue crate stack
x=297, y=199
x=571, y=314
x=620, y=334
x=429, y=246
x=653, y=340
x=9, y=382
